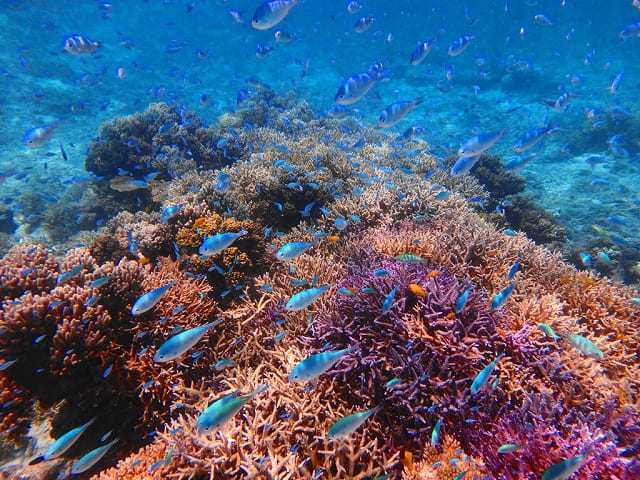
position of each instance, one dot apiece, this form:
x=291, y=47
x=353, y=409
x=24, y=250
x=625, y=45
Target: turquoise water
x=181, y=50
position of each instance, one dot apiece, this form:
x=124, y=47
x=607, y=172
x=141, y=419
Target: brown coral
x=444, y=462
x=27, y=268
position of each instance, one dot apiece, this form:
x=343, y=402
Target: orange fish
x=451, y=315
x=142, y=260
x=199, y=221
x=417, y=290
x=501, y=331
x=407, y=461
x=588, y=281
x=433, y=273
x=333, y=238
x=493, y=253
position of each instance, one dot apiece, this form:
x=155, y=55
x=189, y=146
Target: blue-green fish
x=394, y=113
x=98, y=282
x=350, y=423
x=177, y=345
x=356, y=86
x=75, y=271
x=63, y=443
x=91, y=458
x=303, y=299
x=309, y=369
x=409, y=258
x=513, y=270
x=548, y=331
x=435, y=433
x=393, y=382
x=147, y=301
x=564, y=469
x=509, y=447
x=388, y=301
x=462, y=300
x=585, y=346
x=461, y=475
x=222, y=364
x=478, y=144
x=217, y=243
x=292, y=250
x=500, y=299
x=221, y=411
x=483, y=377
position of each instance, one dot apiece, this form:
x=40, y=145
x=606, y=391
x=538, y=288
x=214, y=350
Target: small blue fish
x=98, y=282
x=442, y=195
x=435, y=433
x=388, y=301
x=350, y=423
x=293, y=250
x=309, y=369
x=171, y=211
x=381, y=273
x=147, y=301
x=280, y=336
x=221, y=411
x=509, y=447
x=7, y=364
x=303, y=299
x=75, y=271
x=222, y=364
x=483, y=377
x=63, y=443
x=340, y=223
x=462, y=300
x=272, y=12
x=564, y=469
x=217, y=243
x=177, y=345
x=585, y=346
x=463, y=165
x=513, y=270
x=393, y=382
x=500, y=299
x=91, y=458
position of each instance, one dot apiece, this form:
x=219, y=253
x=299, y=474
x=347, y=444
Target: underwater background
x=366, y=240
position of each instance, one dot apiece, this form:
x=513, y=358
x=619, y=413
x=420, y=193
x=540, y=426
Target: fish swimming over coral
x=216, y=415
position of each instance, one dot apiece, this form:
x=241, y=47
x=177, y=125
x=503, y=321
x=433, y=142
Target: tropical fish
x=388, y=301
x=363, y=23
x=217, y=243
x=483, y=377
x=564, y=469
x=509, y=447
x=409, y=258
x=513, y=270
x=462, y=300
x=393, y=382
x=421, y=52
x=222, y=364
x=530, y=139
x=284, y=37
x=63, y=443
x=500, y=299
x=435, y=433
x=303, y=299
x=38, y=136
x=585, y=346
x=271, y=13
x=350, y=423
x=463, y=165
x=99, y=282
x=147, y=301
x=548, y=331
x=459, y=45
x=309, y=369
x=615, y=84
x=542, y=19
x=221, y=411
x=78, y=45
x=480, y=143
x=91, y=458
x=179, y=344
x=353, y=6
x=292, y=250
x=340, y=223
x=355, y=87
x=394, y=113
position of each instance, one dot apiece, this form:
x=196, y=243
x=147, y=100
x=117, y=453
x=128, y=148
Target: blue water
x=181, y=50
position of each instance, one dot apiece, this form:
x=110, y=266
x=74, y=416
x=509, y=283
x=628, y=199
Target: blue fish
x=303, y=299
x=147, y=301
x=98, y=282
x=221, y=411
x=38, y=136
x=309, y=369
x=388, y=301
x=513, y=270
x=177, y=345
x=500, y=299
x=63, y=443
x=350, y=423
x=462, y=300
x=75, y=271
x=483, y=377
x=564, y=469
x=217, y=243
x=91, y=458
x=435, y=433
x=293, y=250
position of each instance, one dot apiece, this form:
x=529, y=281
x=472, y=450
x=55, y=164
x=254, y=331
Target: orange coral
x=445, y=462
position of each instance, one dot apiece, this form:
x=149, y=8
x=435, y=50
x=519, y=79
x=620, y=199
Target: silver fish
x=271, y=13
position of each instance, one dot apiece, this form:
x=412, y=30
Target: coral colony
x=271, y=305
